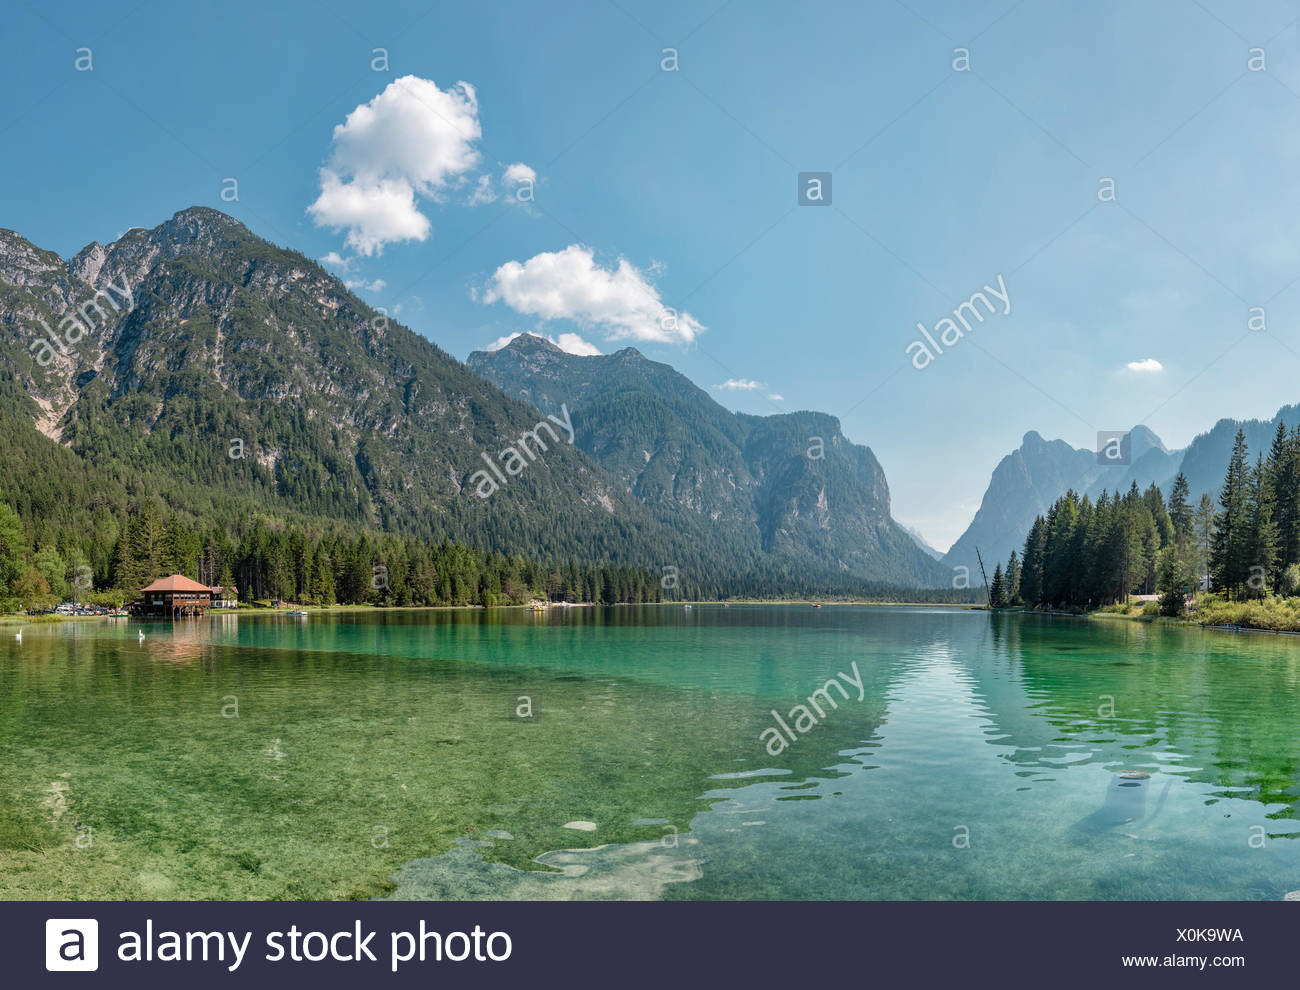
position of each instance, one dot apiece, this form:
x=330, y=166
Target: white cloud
x=413, y=139
x=372, y=215
x=360, y=283
x=620, y=302
x=520, y=180
x=1146, y=366
x=570, y=343
x=483, y=192
x=776, y=398
x=574, y=344
x=518, y=173
x=334, y=260
x=516, y=184
x=740, y=385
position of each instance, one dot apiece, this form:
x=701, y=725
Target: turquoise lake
x=620, y=753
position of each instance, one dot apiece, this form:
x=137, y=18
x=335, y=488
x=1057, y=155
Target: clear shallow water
x=982, y=760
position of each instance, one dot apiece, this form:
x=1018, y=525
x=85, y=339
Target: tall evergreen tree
x=1204, y=538
x=998, y=589
x=1013, y=579
x=1283, y=469
x=1180, y=513
x=1230, y=543
x=1261, y=540
x=1058, y=569
x=1031, y=574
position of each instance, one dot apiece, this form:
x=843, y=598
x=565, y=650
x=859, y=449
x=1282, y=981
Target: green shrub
x=1280, y=614
x=1291, y=580
x=1172, y=603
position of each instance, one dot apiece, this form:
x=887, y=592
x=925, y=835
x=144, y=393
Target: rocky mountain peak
x=23, y=263
x=526, y=342
x=89, y=262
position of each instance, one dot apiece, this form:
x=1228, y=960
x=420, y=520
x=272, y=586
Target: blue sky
x=663, y=211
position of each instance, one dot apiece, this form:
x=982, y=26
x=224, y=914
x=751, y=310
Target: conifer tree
x=1284, y=481
x=1013, y=579
x=1261, y=541
x=1230, y=543
x=1204, y=516
x=1180, y=513
x=998, y=589
x=1031, y=572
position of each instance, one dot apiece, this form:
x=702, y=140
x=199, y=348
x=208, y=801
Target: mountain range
x=1027, y=481
x=198, y=363
x=791, y=484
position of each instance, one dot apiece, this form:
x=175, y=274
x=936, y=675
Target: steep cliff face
x=1024, y=485
x=1028, y=480
x=789, y=485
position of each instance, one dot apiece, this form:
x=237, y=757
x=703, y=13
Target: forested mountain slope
x=791, y=485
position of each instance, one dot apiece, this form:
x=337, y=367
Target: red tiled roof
x=177, y=582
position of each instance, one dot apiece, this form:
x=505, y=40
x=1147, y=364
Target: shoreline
x=55, y=619
x=1151, y=619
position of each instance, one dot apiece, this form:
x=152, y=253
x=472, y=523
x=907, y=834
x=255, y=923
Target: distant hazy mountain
x=1206, y=457
x=1150, y=462
x=921, y=542
x=791, y=484
x=1028, y=480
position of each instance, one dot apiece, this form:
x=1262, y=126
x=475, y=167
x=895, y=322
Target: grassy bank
x=1270, y=614
x=39, y=620
x=1275, y=614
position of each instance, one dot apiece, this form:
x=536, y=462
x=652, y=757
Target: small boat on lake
x=297, y=612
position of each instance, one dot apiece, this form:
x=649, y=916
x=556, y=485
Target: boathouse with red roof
x=175, y=596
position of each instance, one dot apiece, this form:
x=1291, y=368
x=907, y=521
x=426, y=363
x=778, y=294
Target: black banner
x=206, y=944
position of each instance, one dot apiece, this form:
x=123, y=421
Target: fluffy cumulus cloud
x=1147, y=366
x=774, y=397
x=568, y=342
x=517, y=173
x=413, y=141
x=519, y=180
x=619, y=302
x=740, y=385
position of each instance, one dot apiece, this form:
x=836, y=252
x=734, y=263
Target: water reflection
x=1073, y=759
